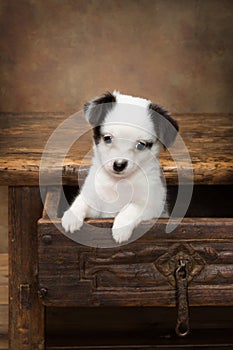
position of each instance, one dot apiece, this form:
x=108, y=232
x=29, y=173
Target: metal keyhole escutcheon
x=181, y=276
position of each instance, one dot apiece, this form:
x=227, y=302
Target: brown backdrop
x=55, y=54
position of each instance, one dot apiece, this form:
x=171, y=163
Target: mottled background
x=55, y=55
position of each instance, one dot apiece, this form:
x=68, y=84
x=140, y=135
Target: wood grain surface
x=23, y=137
x=140, y=273
x=26, y=314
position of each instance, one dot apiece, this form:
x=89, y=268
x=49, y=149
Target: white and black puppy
x=125, y=179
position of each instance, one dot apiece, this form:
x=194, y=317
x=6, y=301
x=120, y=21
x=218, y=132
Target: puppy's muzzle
x=119, y=165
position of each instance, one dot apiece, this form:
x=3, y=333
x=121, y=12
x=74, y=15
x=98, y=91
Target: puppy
x=125, y=179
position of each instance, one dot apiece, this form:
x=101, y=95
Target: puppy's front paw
x=121, y=234
x=70, y=222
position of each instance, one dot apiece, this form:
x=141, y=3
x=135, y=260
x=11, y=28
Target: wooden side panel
x=142, y=272
x=26, y=313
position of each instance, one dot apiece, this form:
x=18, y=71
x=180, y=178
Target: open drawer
x=141, y=273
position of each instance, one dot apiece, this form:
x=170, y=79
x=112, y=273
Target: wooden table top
x=23, y=137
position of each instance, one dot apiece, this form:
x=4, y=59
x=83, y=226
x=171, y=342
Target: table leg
x=26, y=313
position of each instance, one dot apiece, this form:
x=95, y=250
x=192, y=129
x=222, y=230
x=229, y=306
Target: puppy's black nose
x=120, y=165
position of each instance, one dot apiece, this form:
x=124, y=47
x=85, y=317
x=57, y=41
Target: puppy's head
x=128, y=131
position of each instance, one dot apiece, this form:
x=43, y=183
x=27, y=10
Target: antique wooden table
x=209, y=139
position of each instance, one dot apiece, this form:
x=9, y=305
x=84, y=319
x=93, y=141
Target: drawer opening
x=207, y=201
x=136, y=326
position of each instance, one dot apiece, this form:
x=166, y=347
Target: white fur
x=135, y=194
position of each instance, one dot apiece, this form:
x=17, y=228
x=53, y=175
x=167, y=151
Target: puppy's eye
x=141, y=145
x=107, y=139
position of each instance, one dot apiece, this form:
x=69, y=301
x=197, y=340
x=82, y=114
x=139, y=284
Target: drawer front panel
x=140, y=273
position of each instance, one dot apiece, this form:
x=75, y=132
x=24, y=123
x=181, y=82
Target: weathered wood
x=208, y=137
x=3, y=301
x=3, y=279
x=26, y=314
x=142, y=272
x=3, y=294
x=3, y=320
x=4, y=342
x=51, y=202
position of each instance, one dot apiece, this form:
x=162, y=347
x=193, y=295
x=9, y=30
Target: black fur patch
x=96, y=134
x=96, y=110
x=162, y=121
x=149, y=145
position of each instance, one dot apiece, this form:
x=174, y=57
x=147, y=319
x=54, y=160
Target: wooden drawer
x=141, y=273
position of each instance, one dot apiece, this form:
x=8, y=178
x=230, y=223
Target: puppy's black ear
x=166, y=127
x=96, y=109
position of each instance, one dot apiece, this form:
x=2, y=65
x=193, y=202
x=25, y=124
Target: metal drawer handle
x=181, y=276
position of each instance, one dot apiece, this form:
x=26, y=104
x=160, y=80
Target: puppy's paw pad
x=71, y=222
x=121, y=234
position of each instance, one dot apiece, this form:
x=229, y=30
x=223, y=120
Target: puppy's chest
x=117, y=194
